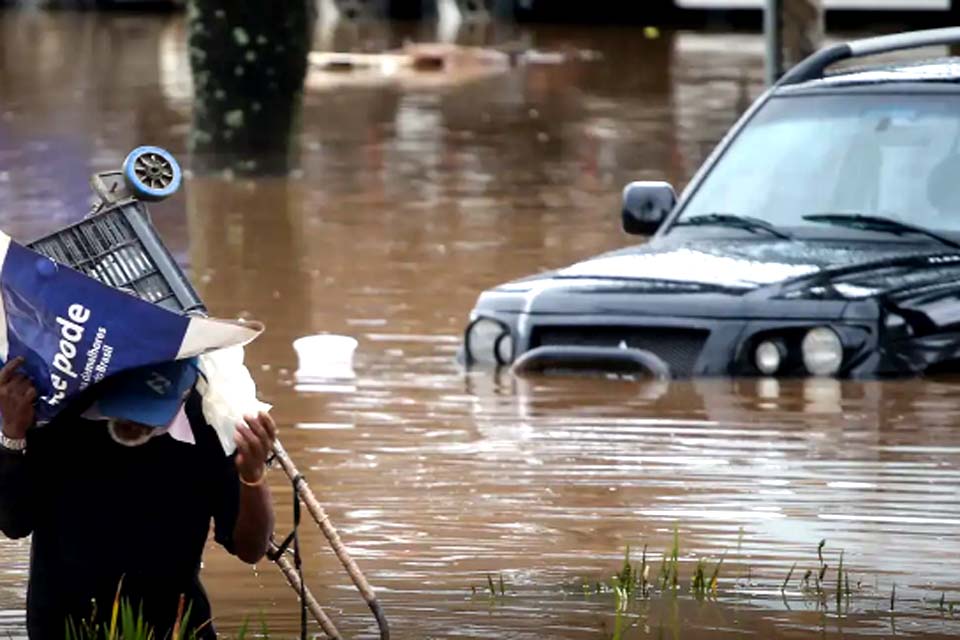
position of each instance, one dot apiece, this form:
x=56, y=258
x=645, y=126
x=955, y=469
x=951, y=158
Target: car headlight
x=768, y=357
x=488, y=342
x=822, y=351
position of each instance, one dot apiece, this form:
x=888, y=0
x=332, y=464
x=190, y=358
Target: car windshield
x=895, y=156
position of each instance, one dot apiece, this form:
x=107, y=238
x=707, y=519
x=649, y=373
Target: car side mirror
x=646, y=205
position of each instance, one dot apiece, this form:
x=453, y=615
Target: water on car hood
x=739, y=264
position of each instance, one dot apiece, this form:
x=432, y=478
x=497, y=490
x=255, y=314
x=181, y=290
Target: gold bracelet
x=263, y=476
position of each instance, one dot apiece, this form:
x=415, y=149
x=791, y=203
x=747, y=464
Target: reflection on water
x=411, y=199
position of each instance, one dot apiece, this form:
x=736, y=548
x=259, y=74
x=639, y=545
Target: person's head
x=141, y=403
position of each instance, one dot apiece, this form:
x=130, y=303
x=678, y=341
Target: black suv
x=821, y=237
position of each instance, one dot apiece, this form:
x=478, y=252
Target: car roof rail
x=813, y=67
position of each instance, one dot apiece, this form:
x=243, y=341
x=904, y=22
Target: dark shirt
x=100, y=511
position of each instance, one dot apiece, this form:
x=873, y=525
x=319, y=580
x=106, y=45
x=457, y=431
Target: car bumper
x=669, y=346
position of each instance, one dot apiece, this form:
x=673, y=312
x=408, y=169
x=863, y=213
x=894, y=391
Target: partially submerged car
x=821, y=237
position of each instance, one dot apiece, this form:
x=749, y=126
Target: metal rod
x=773, y=37
x=323, y=521
x=290, y=573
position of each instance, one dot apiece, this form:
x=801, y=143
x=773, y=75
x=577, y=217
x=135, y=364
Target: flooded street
x=408, y=198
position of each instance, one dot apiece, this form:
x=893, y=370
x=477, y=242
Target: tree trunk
x=248, y=60
x=803, y=29
x=794, y=29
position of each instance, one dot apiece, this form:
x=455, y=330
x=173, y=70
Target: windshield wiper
x=732, y=220
x=879, y=223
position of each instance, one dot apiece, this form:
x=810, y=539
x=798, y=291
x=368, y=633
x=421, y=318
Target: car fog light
x=483, y=341
x=822, y=351
x=768, y=357
x=504, y=349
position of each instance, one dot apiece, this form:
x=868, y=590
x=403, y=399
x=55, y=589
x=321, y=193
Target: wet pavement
x=408, y=198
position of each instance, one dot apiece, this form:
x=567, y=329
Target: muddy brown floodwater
x=409, y=198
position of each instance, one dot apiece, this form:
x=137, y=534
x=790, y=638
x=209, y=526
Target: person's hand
x=254, y=445
x=17, y=395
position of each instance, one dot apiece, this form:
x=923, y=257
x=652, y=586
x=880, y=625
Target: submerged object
x=823, y=256
x=325, y=363
x=424, y=65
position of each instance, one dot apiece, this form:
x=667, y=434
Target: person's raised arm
x=251, y=534
x=17, y=395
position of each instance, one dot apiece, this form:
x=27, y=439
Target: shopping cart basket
x=116, y=243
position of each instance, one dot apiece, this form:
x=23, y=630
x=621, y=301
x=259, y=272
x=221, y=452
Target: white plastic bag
x=228, y=393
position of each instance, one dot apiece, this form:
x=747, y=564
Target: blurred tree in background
x=248, y=60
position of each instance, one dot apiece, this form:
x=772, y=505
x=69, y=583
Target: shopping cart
x=116, y=243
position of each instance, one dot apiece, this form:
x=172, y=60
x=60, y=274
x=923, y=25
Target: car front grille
x=677, y=347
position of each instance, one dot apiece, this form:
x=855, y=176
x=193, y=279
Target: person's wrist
x=15, y=431
x=257, y=479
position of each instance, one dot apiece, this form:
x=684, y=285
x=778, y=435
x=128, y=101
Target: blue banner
x=74, y=331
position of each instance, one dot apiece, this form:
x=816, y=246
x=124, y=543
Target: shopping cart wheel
x=151, y=173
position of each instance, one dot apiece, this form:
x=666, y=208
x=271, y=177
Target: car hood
x=739, y=265
x=744, y=266
x=715, y=274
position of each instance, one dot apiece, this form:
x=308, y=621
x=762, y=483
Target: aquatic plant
x=630, y=587
x=633, y=591
x=125, y=624
x=699, y=584
x=128, y=624
x=840, y=580
x=631, y=583
x=493, y=587
x=787, y=579
x=714, y=579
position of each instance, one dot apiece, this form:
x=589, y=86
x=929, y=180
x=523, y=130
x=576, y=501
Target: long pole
x=304, y=493
x=773, y=36
x=293, y=579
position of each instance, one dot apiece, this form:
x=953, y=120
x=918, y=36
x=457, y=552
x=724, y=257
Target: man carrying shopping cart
x=120, y=402
x=118, y=491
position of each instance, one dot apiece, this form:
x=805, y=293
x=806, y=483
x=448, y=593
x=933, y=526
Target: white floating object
x=324, y=363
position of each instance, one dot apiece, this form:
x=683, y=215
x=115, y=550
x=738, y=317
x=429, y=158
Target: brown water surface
x=411, y=197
